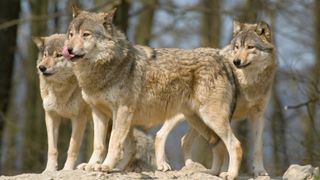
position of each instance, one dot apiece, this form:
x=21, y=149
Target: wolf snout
x=237, y=62
x=68, y=52
x=42, y=68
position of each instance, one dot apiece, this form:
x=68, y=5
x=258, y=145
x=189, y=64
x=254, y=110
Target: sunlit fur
x=119, y=79
x=61, y=97
x=255, y=78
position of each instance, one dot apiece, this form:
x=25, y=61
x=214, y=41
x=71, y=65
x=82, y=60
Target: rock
x=297, y=172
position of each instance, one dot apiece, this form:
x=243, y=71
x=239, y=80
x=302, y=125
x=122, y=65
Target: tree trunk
x=210, y=37
x=8, y=11
x=34, y=127
x=309, y=120
x=143, y=32
x=249, y=15
x=210, y=23
x=121, y=19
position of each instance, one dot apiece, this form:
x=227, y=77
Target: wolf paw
x=68, y=167
x=227, y=176
x=189, y=162
x=85, y=166
x=50, y=169
x=81, y=166
x=260, y=172
x=105, y=168
x=163, y=166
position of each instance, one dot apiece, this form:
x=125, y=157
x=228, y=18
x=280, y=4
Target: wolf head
x=252, y=45
x=93, y=37
x=51, y=64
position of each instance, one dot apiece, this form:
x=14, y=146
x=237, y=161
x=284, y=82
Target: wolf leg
x=218, y=158
x=257, y=125
x=129, y=152
x=218, y=121
x=186, y=145
x=78, y=127
x=100, y=126
x=160, y=142
x=120, y=130
x=53, y=124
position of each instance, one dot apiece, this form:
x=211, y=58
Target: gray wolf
x=252, y=54
x=61, y=96
x=118, y=80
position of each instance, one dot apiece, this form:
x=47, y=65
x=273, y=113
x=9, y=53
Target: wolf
x=62, y=99
x=118, y=80
x=253, y=57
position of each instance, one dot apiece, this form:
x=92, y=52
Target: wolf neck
x=62, y=91
x=255, y=84
x=106, y=73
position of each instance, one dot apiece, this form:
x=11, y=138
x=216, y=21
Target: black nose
x=70, y=50
x=42, y=68
x=237, y=62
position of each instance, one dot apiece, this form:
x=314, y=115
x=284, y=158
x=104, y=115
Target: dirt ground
x=195, y=171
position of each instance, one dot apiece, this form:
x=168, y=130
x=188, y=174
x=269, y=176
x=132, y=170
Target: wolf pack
x=93, y=73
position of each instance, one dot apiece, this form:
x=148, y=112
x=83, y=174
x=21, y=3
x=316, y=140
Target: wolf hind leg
x=160, y=142
x=186, y=144
x=218, y=120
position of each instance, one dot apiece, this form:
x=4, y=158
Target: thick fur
x=119, y=80
x=61, y=97
x=255, y=74
x=252, y=47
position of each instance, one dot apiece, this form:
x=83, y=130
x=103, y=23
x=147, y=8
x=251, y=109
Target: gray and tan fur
x=62, y=99
x=255, y=65
x=119, y=81
x=252, y=53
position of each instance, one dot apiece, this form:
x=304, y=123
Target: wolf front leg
x=100, y=127
x=121, y=127
x=257, y=125
x=53, y=123
x=78, y=127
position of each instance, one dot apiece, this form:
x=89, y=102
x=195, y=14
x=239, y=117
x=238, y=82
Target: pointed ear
x=108, y=17
x=39, y=41
x=75, y=11
x=263, y=29
x=237, y=27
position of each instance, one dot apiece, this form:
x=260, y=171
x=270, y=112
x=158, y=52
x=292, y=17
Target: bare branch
x=302, y=104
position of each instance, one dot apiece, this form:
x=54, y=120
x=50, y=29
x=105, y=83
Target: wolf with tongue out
x=122, y=81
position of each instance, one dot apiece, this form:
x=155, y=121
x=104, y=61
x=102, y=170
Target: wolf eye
x=58, y=55
x=236, y=47
x=86, y=34
x=45, y=54
x=250, y=47
x=70, y=34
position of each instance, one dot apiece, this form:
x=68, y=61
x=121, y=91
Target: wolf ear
x=263, y=29
x=108, y=17
x=75, y=10
x=237, y=27
x=39, y=41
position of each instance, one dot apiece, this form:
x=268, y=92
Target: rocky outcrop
x=297, y=172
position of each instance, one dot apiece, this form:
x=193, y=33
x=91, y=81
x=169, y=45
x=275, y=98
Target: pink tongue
x=66, y=53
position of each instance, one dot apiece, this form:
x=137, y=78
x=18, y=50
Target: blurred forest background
x=292, y=131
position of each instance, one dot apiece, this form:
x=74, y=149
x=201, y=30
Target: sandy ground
x=195, y=171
